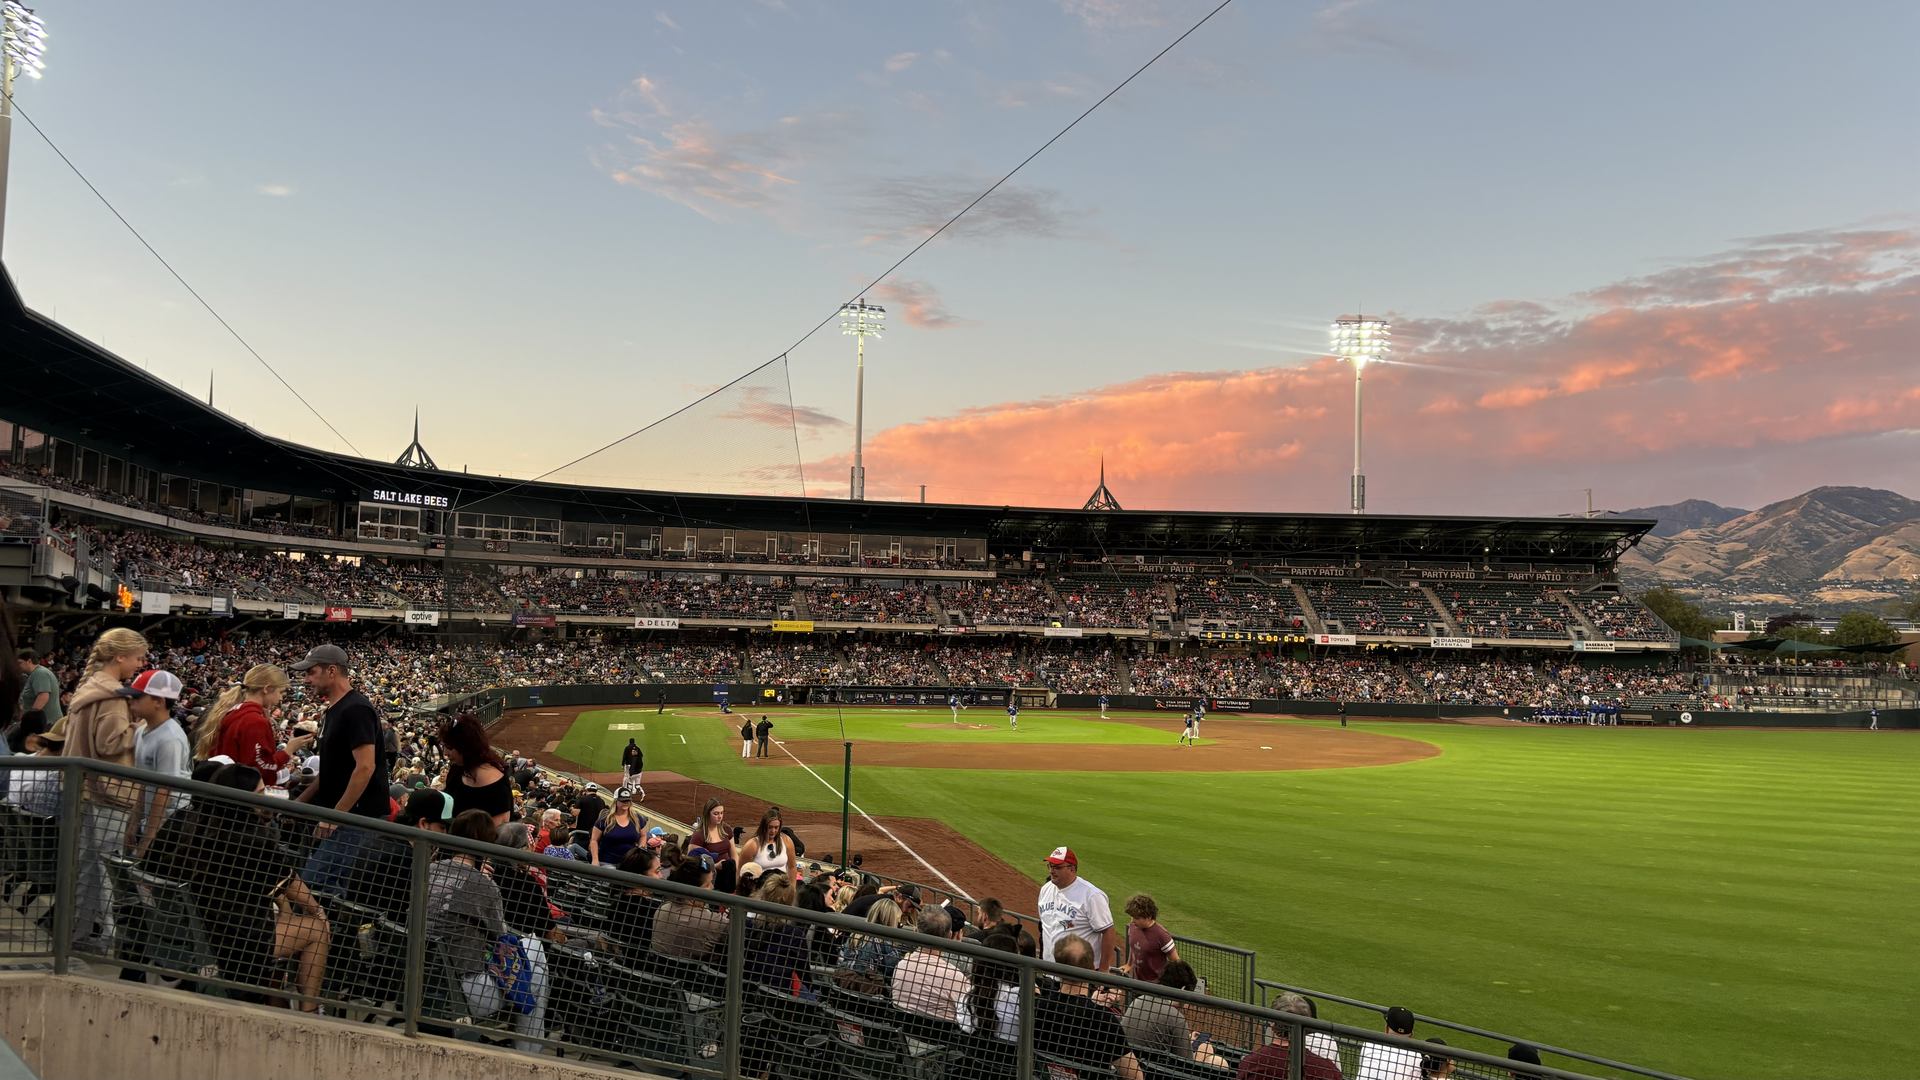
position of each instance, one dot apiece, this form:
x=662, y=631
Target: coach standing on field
x=1071, y=906
x=353, y=767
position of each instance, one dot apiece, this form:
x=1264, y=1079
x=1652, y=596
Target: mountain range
x=1825, y=551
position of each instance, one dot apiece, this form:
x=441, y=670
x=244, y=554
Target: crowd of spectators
x=1215, y=674
x=1376, y=609
x=791, y=661
x=877, y=664
x=582, y=592
x=1130, y=601
x=862, y=602
x=984, y=663
x=1078, y=667
x=702, y=598
x=1001, y=602
x=1553, y=683
x=1498, y=611
x=1623, y=619
x=1245, y=603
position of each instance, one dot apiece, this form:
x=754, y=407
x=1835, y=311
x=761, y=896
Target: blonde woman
x=99, y=725
x=239, y=725
x=867, y=963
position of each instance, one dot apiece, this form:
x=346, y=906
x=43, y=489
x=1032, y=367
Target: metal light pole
x=862, y=320
x=1359, y=340
x=22, y=39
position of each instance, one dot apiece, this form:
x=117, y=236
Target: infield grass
x=1710, y=902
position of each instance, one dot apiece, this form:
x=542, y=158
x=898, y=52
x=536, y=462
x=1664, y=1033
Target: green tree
x=1801, y=632
x=1908, y=609
x=1863, y=628
x=1676, y=611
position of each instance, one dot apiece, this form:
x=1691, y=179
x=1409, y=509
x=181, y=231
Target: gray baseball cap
x=325, y=654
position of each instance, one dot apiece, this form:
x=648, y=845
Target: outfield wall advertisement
x=490, y=703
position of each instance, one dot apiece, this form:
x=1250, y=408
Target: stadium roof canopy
x=73, y=389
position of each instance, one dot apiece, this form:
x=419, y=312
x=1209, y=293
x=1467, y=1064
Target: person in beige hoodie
x=99, y=725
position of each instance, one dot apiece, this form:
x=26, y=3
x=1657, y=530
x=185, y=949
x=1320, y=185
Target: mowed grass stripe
x=1719, y=903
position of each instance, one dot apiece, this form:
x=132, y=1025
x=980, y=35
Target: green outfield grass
x=860, y=725
x=1712, y=902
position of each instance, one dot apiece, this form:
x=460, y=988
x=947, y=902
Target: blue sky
x=548, y=224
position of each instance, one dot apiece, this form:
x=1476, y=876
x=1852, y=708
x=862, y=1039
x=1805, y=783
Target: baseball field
x=1715, y=902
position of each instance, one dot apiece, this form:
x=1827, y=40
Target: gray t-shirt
x=164, y=750
x=43, y=681
x=1154, y=1023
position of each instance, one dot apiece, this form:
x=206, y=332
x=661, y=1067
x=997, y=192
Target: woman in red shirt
x=238, y=724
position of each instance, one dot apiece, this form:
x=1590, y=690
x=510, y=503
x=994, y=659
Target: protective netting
x=510, y=934
x=736, y=440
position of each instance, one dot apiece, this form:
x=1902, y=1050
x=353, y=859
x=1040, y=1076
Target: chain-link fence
x=448, y=925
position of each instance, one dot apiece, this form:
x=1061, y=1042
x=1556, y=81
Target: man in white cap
x=1071, y=906
x=159, y=746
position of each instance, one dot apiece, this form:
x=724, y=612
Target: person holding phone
x=239, y=725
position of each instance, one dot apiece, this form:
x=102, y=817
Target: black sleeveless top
x=496, y=798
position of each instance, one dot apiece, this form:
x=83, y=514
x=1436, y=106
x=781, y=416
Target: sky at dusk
x=1660, y=251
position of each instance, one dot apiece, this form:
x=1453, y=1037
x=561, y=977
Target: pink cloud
x=1788, y=351
x=920, y=305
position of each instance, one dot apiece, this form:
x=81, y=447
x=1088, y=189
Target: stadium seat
x=157, y=923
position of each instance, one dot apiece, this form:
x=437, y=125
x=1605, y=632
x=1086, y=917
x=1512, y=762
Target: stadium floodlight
x=862, y=320
x=1360, y=340
x=23, y=38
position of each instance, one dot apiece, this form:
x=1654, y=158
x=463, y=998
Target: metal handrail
x=1468, y=1029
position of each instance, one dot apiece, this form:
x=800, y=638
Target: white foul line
x=962, y=893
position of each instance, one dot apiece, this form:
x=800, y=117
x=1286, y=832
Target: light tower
x=862, y=320
x=1360, y=340
x=22, y=39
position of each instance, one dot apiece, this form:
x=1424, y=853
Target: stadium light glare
x=862, y=320
x=23, y=38
x=1360, y=340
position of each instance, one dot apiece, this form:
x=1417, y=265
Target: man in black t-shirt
x=353, y=767
x=761, y=731
x=587, y=810
x=1070, y=1025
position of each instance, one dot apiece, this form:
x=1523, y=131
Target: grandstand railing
x=1270, y=990
x=728, y=986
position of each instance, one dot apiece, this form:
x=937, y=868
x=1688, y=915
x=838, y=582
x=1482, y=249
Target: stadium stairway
x=1059, y=605
x=1314, y=622
x=1446, y=619
x=1580, y=617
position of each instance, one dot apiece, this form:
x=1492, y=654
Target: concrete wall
x=74, y=1028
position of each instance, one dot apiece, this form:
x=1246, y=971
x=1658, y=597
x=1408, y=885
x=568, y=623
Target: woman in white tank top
x=768, y=847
